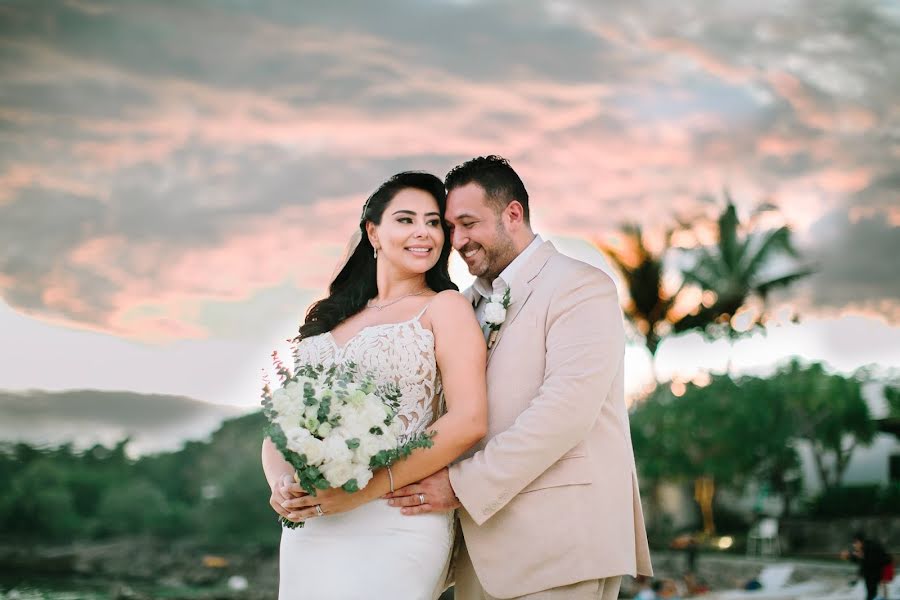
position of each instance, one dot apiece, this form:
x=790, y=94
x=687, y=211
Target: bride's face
x=410, y=236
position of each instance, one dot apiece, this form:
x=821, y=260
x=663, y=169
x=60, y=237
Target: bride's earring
x=375, y=253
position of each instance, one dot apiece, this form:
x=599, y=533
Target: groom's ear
x=515, y=213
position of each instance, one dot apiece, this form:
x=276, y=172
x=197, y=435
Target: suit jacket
x=550, y=495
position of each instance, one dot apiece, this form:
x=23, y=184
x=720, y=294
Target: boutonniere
x=495, y=314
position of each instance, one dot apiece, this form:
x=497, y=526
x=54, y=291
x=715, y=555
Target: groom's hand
x=434, y=489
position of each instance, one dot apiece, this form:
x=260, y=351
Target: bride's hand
x=331, y=501
x=282, y=491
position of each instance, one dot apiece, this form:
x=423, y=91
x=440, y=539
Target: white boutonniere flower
x=495, y=314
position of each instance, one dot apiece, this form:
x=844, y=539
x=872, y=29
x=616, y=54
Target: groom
x=548, y=500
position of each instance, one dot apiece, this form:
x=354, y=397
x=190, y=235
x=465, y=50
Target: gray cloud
x=154, y=422
x=857, y=261
x=176, y=125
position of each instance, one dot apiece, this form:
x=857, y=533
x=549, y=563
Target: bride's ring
x=319, y=511
x=421, y=498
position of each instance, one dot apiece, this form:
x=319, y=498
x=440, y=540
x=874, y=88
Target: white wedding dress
x=374, y=552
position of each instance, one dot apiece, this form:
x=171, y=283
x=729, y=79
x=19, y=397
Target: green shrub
x=856, y=501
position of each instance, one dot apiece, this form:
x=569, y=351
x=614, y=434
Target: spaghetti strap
x=422, y=312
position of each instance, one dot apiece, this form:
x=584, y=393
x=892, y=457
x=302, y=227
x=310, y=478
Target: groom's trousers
x=467, y=586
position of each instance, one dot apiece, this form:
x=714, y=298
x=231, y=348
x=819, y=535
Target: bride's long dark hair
x=356, y=284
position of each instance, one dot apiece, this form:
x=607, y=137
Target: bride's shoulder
x=450, y=306
x=451, y=300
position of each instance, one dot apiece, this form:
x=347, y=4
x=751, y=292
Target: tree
x=829, y=412
x=38, y=504
x=892, y=395
x=725, y=434
x=771, y=426
x=650, y=307
x=714, y=435
x=734, y=432
x=134, y=506
x=738, y=268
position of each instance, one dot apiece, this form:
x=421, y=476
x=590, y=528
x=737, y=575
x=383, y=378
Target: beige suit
x=550, y=496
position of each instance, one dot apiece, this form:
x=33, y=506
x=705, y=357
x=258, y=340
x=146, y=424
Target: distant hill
x=86, y=417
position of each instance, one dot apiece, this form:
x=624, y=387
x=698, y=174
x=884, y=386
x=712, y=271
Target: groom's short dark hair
x=501, y=183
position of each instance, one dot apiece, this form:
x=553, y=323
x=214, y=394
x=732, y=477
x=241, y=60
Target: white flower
x=373, y=413
x=336, y=449
x=494, y=313
x=295, y=438
x=288, y=412
x=294, y=390
x=338, y=472
x=356, y=398
x=351, y=423
x=362, y=475
x=281, y=402
x=369, y=446
x=314, y=449
x=324, y=429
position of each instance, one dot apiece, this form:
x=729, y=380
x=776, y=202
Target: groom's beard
x=496, y=257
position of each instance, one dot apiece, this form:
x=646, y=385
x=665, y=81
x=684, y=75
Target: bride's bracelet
x=391, y=479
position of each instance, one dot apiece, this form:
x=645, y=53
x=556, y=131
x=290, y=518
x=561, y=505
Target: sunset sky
x=178, y=179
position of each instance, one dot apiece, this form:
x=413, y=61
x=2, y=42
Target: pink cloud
x=585, y=178
x=707, y=61
x=18, y=176
x=262, y=253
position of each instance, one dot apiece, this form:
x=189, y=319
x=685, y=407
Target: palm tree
x=649, y=306
x=736, y=269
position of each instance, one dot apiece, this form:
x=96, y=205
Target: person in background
x=872, y=559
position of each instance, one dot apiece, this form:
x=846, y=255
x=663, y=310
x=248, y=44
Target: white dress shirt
x=501, y=283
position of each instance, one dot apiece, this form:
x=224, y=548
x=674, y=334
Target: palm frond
x=729, y=243
x=782, y=281
x=773, y=242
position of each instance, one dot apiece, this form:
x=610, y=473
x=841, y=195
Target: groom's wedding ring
x=319, y=511
x=421, y=498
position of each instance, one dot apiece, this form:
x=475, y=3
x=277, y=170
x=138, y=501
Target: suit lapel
x=521, y=288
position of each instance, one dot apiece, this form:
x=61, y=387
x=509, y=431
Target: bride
x=393, y=311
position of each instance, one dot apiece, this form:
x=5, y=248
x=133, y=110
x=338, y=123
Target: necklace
x=371, y=304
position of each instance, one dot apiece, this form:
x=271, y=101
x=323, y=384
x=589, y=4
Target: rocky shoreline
x=134, y=567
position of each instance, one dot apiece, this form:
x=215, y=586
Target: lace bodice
x=399, y=353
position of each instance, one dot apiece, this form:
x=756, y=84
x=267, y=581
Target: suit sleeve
x=585, y=348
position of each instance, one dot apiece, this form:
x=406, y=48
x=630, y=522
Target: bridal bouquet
x=335, y=426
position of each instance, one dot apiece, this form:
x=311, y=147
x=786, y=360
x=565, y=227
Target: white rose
x=369, y=446
x=362, y=475
x=294, y=390
x=338, y=472
x=279, y=395
x=373, y=413
x=336, y=449
x=351, y=422
x=391, y=438
x=295, y=438
x=314, y=449
x=280, y=401
x=356, y=398
x=334, y=408
x=287, y=409
x=494, y=313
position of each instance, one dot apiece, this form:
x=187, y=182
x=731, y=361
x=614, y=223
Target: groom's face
x=478, y=231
